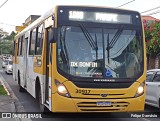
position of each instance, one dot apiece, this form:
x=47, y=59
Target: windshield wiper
x=113, y=41
x=108, y=47
x=116, y=36
x=89, y=38
x=96, y=46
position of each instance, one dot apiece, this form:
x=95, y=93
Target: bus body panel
x=63, y=104
x=20, y=70
x=122, y=99
x=15, y=61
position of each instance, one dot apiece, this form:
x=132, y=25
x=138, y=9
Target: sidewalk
x=9, y=103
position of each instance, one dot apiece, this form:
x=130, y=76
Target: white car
x=4, y=63
x=153, y=88
x=9, y=67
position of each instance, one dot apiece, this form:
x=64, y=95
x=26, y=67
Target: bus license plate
x=104, y=103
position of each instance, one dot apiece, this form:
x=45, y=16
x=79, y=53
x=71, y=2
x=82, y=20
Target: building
x=149, y=19
x=3, y=32
x=31, y=19
x=28, y=21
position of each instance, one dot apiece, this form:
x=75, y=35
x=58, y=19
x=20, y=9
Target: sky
x=15, y=12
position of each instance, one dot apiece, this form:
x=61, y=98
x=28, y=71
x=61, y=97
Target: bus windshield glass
x=100, y=52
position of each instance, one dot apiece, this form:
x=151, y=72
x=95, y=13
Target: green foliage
x=6, y=45
x=2, y=90
x=152, y=37
x=11, y=36
x=6, y=48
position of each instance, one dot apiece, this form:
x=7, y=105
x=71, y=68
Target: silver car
x=153, y=88
x=9, y=67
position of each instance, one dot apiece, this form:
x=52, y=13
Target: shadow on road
x=87, y=115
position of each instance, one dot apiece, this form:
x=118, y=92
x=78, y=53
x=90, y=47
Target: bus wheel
x=21, y=89
x=159, y=103
x=42, y=107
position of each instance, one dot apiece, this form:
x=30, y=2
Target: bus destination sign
x=101, y=17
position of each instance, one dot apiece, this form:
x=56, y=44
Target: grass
x=2, y=90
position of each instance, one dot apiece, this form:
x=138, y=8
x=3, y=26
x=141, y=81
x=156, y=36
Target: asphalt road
x=30, y=105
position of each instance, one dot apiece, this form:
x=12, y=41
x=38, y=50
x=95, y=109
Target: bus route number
x=82, y=91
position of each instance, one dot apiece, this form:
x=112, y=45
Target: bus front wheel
x=159, y=103
x=42, y=107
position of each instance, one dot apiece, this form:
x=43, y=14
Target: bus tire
x=159, y=103
x=42, y=107
x=21, y=89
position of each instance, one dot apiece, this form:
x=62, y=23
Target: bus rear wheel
x=21, y=89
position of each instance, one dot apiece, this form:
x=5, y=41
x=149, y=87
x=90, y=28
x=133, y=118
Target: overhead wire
x=156, y=12
x=150, y=9
x=1, y=7
x=3, y=4
x=126, y=3
x=152, y=13
x=7, y=24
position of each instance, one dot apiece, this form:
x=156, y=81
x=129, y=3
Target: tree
x=152, y=37
x=11, y=36
x=1, y=35
x=6, y=46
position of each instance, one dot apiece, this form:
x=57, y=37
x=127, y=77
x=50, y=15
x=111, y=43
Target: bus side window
x=19, y=46
x=32, y=42
x=22, y=45
x=39, y=40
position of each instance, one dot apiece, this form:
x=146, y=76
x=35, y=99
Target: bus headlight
x=61, y=89
x=140, y=90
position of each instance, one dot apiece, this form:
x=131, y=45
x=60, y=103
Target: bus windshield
x=100, y=52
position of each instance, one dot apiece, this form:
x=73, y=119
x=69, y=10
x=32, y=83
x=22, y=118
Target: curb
x=10, y=93
x=7, y=87
x=4, y=85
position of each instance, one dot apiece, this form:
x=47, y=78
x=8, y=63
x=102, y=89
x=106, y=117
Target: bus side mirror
x=51, y=36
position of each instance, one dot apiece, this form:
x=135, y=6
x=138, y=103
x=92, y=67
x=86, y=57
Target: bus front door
x=48, y=69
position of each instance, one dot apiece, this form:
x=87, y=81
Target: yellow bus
x=83, y=59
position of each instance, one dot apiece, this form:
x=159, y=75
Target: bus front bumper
x=64, y=104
